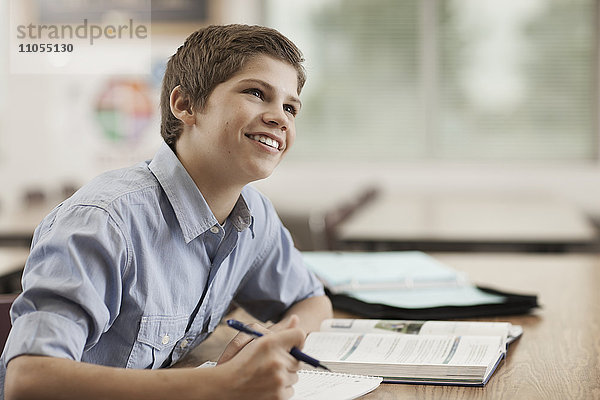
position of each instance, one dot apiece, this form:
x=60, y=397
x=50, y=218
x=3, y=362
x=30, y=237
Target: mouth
x=266, y=140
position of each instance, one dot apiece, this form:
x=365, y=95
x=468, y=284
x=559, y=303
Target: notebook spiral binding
x=333, y=373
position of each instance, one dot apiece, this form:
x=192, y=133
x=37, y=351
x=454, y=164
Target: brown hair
x=211, y=56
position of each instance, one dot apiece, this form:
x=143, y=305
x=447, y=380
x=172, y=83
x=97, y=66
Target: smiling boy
x=140, y=265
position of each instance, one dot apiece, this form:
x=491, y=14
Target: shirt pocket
x=157, y=336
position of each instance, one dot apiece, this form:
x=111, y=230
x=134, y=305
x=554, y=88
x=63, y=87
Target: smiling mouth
x=265, y=140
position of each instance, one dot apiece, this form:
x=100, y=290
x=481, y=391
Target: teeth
x=266, y=140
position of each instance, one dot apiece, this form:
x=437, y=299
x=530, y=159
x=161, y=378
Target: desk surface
x=558, y=356
x=394, y=220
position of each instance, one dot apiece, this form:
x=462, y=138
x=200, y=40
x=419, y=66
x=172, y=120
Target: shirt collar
x=192, y=211
x=241, y=216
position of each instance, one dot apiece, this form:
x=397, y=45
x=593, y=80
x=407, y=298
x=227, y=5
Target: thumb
x=289, y=322
x=292, y=322
x=290, y=337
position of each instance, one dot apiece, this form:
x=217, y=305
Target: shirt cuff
x=45, y=334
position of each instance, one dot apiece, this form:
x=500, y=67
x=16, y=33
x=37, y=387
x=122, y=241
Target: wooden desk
x=558, y=356
x=468, y=222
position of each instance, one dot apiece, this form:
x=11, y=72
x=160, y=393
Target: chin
x=255, y=169
x=265, y=175
x=259, y=173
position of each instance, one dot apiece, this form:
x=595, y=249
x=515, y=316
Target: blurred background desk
x=12, y=261
x=558, y=356
x=313, y=209
x=17, y=225
x=467, y=222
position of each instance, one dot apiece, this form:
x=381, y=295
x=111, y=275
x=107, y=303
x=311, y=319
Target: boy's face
x=247, y=124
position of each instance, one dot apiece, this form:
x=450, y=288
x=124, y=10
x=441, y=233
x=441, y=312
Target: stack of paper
x=409, y=279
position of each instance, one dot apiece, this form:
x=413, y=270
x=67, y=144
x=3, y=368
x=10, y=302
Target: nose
x=275, y=116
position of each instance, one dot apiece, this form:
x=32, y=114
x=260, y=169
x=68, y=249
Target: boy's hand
x=242, y=339
x=264, y=369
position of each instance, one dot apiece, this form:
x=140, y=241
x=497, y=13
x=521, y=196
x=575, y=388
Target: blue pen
x=298, y=355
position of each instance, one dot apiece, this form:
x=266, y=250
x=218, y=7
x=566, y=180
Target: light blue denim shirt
x=134, y=270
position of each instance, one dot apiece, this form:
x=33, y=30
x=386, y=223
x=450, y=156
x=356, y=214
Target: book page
x=461, y=328
x=404, y=349
x=453, y=328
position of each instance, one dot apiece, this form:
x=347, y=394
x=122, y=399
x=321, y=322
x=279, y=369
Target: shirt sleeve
x=71, y=285
x=278, y=278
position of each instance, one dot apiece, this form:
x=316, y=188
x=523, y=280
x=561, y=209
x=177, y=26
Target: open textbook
x=428, y=352
x=319, y=385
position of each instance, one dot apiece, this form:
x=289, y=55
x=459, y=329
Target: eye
x=290, y=109
x=255, y=92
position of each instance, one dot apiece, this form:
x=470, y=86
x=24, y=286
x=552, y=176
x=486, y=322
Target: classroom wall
x=50, y=138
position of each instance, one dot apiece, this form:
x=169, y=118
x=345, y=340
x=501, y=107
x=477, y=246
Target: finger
x=239, y=342
x=288, y=392
x=234, y=346
x=289, y=338
x=291, y=321
x=293, y=366
x=290, y=369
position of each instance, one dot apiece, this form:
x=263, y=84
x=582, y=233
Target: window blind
x=445, y=79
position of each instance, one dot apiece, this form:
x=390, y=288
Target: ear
x=181, y=106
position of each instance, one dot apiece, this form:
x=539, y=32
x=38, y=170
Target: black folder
x=513, y=304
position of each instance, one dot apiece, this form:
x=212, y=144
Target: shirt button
x=165, y=339
x=214, y=229
x=183, y=344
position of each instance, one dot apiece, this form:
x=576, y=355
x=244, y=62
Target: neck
x=221, y=196
x=220, y=200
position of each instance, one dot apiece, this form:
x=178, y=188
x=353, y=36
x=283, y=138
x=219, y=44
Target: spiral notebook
x=319, y=385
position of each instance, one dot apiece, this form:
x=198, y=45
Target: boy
x=141, y=264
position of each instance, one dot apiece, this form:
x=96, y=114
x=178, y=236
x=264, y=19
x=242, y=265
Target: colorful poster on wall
x=124, y=110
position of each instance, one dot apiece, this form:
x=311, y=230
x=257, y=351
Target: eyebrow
x=291, y=98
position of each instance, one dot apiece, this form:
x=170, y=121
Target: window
x=445, y=79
